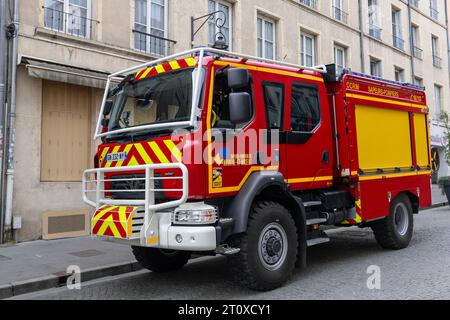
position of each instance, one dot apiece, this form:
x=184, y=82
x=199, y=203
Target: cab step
x=311, y=222
x=225, y=250
x=317, y=241
x=309, y=204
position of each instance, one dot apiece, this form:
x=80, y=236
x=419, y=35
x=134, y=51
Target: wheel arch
x=272, y=187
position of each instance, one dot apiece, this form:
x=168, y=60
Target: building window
x=266, y=38
x=308, y=50
x=213, y=29
x=437, y=60
x=274, y=102
x=338, y=11
x=305, y=108
x=375, y=67
x=399, y=74
x=339, y=58
x=66, y=123
x=374, y=29
x=438, y=101
x=398, y=41
x=417, y=52
x=69, y=16
x=434, y=11
x=150, y=27
x=418, y=81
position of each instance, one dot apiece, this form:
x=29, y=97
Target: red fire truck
x=210, y=152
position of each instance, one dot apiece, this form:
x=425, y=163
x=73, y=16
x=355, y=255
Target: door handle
x=326, y=157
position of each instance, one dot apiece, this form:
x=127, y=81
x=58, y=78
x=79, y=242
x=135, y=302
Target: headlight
x=195, y=214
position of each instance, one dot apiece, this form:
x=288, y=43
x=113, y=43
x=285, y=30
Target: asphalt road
x=337, y=270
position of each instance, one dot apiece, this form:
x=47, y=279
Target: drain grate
x=3, y=258
x=86, y=253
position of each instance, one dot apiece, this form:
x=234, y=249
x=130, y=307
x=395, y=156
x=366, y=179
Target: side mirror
x=108, y=107
x=240, y=107
x=238, y=78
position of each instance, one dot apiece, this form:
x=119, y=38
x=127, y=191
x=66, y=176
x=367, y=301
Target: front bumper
x=143, y=222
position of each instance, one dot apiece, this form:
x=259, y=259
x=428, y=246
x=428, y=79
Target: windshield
x=165, y=98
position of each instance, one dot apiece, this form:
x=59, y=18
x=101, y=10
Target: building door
x=66, y=132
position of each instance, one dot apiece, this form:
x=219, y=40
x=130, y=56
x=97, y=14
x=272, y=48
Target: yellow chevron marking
x=140, y=149
x=155, y=148
x=146, y=72
x=190, y=62
x=160, y=69
x=115, y=150
x=109, y=222
x=174, y=65
x=101, y=214
x=127, y=149
x=133, y=162
x=103, y=155
x=176, y=153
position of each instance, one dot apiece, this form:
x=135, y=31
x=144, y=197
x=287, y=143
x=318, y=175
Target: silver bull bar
x=93, y=188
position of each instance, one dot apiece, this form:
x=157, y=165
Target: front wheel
x=395, y=231
x=161, y=261
x=268, y=248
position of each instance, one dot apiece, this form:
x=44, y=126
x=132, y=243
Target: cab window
x=305, y=108
x=220, y=117
x=273, y=101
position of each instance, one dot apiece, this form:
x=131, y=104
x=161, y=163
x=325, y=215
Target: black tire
x=391, y=233
x=248, y=266
x=160, y=261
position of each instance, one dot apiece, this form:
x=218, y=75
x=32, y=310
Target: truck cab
x=211, y=152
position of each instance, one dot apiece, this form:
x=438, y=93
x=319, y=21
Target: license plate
x=113, y=157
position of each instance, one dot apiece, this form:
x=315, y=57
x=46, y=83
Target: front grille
x=133, y=182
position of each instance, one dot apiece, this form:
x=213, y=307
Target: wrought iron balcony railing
x=309, y=3
x=398, y=42
x=375, y=31
x=418, y=53
x=69, y=23
x=434, y=13
x=437, y=62
x=340, y=15
x=153, y=44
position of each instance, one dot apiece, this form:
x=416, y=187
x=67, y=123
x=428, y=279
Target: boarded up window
x=65, y=131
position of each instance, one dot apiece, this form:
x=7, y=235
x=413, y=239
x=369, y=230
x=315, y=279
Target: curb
x=60, y=279
x=435, y=206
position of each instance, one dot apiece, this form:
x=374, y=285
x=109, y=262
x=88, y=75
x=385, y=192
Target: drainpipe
x=2, y=103
x=448, y=37
x=411, y=41
x=12, y=121
x=361, y=37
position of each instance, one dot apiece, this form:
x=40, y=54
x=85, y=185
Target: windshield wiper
x=128, y=79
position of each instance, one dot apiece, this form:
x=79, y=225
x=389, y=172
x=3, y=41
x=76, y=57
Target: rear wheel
x=268, y=248
x=395, y=231
x=160, y=261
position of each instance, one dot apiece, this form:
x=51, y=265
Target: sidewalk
x=39, y=265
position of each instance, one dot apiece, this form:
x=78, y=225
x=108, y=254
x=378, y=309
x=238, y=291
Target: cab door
x=308, y=138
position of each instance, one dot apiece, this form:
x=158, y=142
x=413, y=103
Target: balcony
x=340, y=15
x=69, y=23
x=417, y=53
x=414, y=3
x=309, y=3
x=153, y=44
x=399, y=43
x=375, y=31
x=437, y=62
x=434, y=13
